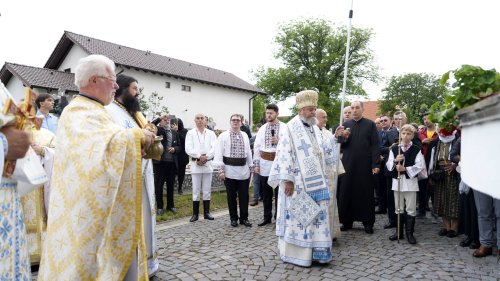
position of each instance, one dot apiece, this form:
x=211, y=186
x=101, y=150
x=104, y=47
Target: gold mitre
x=306, y=98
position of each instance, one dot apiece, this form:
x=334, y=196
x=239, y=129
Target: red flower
x=447, y=130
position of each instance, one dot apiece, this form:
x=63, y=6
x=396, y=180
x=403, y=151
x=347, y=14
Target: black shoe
x=206, y=210
x=390, y=225
x=369, y=229
x=260, y=198
x=466, y=242
x=254, y=203
x=380, y=211
x=451, y=234
x=160, y=212
x=264, y=222
x=345, y=227
x=394, y=236
x=173, y=210
x=474, y=245
x=234, y=223
x=421, y=215
x=180, y=192
x=193, y=218
x=246, y=223
x=443, y=232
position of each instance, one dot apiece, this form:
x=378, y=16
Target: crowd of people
x=108, y=166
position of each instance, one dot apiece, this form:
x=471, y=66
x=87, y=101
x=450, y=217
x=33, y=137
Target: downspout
x=250, y=117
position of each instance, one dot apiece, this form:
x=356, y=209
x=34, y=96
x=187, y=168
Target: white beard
x=310, y=121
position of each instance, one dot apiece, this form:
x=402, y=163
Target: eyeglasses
x=199, y=118
x=112, y=79
x=398, y=118
x=384, y=120
x=235, y=120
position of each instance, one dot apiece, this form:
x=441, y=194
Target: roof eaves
x=17, y=75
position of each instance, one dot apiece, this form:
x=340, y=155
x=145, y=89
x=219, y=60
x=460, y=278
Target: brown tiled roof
x=371, y=109
x=38, y=77
x=147, y=61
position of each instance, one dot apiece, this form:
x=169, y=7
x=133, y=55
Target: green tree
x=152, y=104
x=312, y=53
x=259, y=108
x=416, y=91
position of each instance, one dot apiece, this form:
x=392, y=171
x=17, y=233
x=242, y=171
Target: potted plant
x=472, y=84
x=473, y=104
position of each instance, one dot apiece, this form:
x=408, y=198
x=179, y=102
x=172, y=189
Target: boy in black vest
x=408, y=163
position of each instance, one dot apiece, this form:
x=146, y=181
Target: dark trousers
x=422, y=196
x=468, y=216
x=391, y=209
x=267, y=198
x=381, y=191
x=164, y=172
x=237, y=188
x=181, y=173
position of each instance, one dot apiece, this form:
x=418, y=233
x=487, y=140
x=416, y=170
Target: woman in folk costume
x=36, y=203
x=443, y=176
x=299, y=171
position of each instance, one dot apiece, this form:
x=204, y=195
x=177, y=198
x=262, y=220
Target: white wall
x=72, y=58
x=16, y=88
x=216, y=102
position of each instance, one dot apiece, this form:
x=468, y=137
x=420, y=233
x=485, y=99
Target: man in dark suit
x=165, y=169
x=389, y=136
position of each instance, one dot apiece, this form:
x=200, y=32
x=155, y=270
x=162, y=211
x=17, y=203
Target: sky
x=237, y=36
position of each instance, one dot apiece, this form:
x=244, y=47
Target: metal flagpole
x=344, y=86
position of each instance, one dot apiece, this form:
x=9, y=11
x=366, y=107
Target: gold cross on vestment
x=108, y=187
x=129, y=180
x=61, y=242
x=94, y=254
x=79, y=216
x=91, y=150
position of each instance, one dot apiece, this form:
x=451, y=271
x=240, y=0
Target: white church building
x=187, y=88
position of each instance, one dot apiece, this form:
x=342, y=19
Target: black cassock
x=361, y=153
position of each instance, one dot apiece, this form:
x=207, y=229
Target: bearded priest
x=126, y=111
x=95, y=222
x=299, y=169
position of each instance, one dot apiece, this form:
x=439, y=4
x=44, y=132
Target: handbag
x=437, y=175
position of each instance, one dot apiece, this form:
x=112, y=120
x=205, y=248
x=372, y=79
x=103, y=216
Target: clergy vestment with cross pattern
x=14, y=257
x=331, y=169
x=94, y=228
x=301, y=159
x=35, y=203
x=124, y=119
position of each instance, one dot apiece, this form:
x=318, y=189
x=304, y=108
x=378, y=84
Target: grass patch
x=184, y=205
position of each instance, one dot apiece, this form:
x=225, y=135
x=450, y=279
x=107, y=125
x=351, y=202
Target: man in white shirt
x=200, y=147
x=234, y=160
x=45, y=104
x=264, y=153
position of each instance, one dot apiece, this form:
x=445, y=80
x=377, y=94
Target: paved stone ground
x=213, y=250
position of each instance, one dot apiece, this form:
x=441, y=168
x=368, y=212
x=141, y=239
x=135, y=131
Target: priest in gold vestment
x=94, y=228
x=35, y=202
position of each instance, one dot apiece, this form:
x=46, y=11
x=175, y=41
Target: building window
x=186, y=88
x=167, y=85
